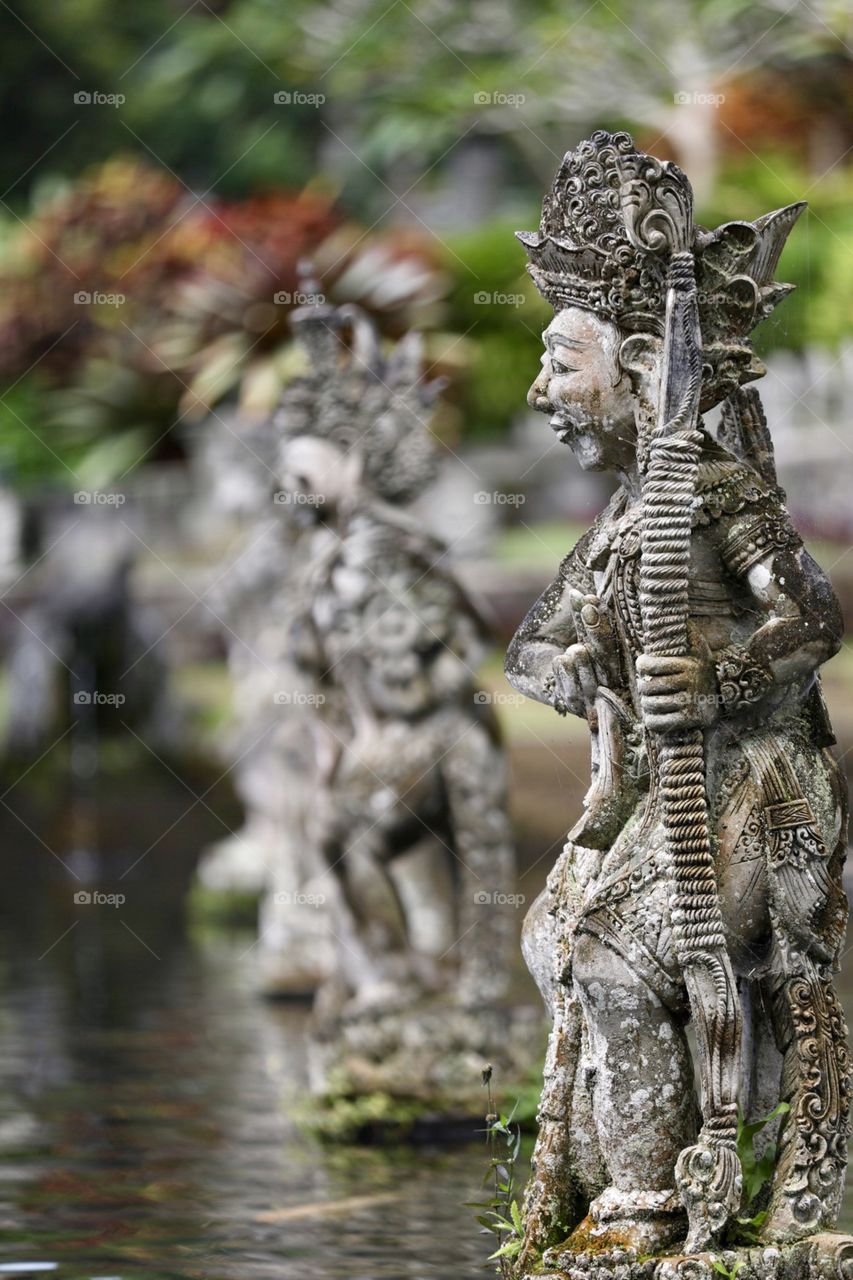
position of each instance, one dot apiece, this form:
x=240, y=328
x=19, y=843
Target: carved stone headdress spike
x=610, y=226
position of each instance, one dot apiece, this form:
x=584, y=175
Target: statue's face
x=315, y=477
x=586, y=393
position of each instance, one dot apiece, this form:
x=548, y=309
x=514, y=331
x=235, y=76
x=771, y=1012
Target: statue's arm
x=797, y=627
x=802, y=625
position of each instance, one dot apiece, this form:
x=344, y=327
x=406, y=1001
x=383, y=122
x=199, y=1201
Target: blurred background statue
x=269, y=741
x=410, y=816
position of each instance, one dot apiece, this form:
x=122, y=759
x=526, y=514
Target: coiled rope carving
x=708, y=1173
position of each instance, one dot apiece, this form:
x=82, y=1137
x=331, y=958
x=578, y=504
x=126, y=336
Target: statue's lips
x=562, y=429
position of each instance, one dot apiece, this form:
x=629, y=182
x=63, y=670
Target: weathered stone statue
x=699, y=895
x=411, y=818
x=268, y=742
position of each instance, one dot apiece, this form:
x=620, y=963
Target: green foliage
x=495, y=305
x=225, y=908
x=500, y=1215
x=723, y=1270
x=124, y=311
x=199, y=90
x=409, y=79
x=353, y=1119
x=25, y=457
x=198, y=87
x=399, y=83
x=756, y=1172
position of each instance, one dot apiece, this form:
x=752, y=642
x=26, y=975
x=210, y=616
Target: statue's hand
x=594, y=630
x=677, y=693
x=591, y=663
x=575, y=680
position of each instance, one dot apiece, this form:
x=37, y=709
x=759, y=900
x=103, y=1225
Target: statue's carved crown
x=361, y=397
x=581, y=255
x=610, y=226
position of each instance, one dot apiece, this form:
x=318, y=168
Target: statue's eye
x=558, y=366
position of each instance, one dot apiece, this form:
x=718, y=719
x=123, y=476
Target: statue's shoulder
x=725, y=485
x=743, y=511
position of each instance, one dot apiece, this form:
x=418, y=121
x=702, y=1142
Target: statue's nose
x=536, y=397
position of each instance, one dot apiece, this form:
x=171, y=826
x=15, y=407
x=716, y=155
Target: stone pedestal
x=417, y=1065
x=824, y=1256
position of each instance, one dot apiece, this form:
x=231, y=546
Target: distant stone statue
x=700, y=891
x=269, y=737
x=411, y=821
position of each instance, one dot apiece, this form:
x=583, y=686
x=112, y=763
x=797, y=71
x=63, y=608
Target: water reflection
x=145, y=1132
x=146, y=1115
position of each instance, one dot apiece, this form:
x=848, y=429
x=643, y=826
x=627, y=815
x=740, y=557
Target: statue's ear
x=639, y=356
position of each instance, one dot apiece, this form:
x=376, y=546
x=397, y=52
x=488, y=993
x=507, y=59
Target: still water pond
x=144, y=1133
x=146, y=1119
